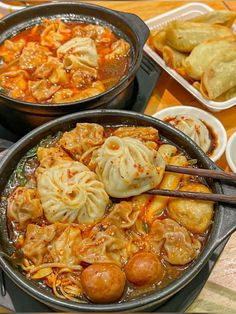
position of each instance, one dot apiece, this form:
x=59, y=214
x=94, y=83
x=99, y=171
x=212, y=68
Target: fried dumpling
x=63, y=248
x=219, y=76
x=127, y=167
x=201, y=56
x=174, y=240
x=195, y=129
x=193, y=214
x=222, y=17
x=70, y=192
x=36, y=242
x=184, y=36
x=142, y=133
x=23, y=206
x=50, y=156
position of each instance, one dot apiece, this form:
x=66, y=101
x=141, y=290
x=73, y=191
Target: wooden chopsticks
x=230, y=199
x=214, y=174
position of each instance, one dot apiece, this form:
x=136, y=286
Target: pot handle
x=228, y=225
x=141, y=29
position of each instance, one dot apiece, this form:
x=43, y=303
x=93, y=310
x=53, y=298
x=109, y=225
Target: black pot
x=22, y=116
x=224, y=217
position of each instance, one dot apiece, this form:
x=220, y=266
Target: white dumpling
x=195, y=129
x=127, y=167
x=83, y=48
x=70, y=192
x=195, y=215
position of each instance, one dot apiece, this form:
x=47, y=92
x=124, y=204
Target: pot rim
x=161, y=295
x=117, y=88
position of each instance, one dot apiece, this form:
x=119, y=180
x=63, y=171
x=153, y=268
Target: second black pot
x=21, y=116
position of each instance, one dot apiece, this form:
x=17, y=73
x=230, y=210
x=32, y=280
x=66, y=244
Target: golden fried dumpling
x=82, y=138
x=174, y=241
x=222, y=17
x=23, y=206
x=184, y=35
x=157, y=40
x=201, y=56
x=70, y=192
x=127, y=167
x=83, y=48
x=195, y=215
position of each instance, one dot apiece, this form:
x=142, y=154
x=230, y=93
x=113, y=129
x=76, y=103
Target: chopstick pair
x=214, y=174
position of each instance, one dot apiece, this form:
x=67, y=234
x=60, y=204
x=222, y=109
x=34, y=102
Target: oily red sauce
x=109, y=72
x=131, y=292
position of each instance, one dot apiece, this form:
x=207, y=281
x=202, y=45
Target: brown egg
x=103, y=282
x=144, y=269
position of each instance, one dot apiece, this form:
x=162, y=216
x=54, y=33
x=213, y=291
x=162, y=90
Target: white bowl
x=210, y=120
x=231, y=152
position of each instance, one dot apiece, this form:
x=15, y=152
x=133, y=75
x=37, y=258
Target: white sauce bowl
x=209, y=119
x=231, y=152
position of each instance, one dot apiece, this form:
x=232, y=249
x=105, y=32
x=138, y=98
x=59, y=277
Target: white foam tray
x=184, y=12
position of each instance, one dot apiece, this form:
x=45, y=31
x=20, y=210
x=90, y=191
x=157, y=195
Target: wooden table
x=219, y=293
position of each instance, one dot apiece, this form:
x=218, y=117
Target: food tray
x=184, y=12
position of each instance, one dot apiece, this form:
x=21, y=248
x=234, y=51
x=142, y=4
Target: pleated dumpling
x=70, y=192
x=195, y=129
x=127, y=167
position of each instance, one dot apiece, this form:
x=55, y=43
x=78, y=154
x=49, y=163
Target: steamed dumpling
x=70, y=192
x=83, y=48
x=127, y=167
x=195, y=129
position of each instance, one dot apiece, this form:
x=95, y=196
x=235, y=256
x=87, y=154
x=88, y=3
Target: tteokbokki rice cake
x=77, y=210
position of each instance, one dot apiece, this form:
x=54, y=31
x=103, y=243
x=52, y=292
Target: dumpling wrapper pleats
x=220, y=76
x=201, y=56
x=70, y=192
x=127, y=167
